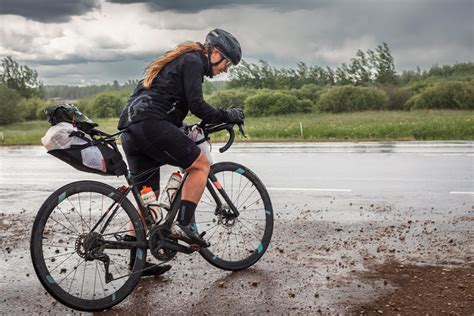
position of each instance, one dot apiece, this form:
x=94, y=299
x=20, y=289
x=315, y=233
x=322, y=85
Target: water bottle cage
x=153, y=212
x=170, y=194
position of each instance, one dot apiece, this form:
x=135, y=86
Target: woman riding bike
x=155, y=111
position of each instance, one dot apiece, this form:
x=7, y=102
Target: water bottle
x=149, y=199
x=168, y=194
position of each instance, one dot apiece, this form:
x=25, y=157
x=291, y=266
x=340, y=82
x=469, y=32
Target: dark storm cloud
x=187, y=6
x=48, y=11
x=75, y=59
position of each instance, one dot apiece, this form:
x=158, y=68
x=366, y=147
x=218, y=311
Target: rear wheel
x=78, y=266
x=236, y=243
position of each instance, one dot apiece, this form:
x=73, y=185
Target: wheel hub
x=225, y=216
x=88, y=244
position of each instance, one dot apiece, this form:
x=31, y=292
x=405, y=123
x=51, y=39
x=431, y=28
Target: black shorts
x=152, y=143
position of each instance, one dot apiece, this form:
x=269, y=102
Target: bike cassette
x=158, y=236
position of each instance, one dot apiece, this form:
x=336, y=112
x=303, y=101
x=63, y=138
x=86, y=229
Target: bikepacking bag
x=78, y=149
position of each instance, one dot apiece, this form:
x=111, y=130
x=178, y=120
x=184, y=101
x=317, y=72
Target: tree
x=20, y=78
x=383, y=62
x=9, y=109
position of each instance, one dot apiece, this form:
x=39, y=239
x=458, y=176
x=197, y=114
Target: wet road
x=341, y=208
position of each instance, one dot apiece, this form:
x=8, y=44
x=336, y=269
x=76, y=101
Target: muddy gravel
x=390, y=261
x=397, y=243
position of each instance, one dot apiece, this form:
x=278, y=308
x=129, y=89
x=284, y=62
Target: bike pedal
x=202, y=234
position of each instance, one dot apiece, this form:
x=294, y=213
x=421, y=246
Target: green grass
x=362, y=126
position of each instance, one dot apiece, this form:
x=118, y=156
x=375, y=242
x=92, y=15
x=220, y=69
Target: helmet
x=226, y=43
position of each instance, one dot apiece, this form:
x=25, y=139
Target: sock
x=186, y=212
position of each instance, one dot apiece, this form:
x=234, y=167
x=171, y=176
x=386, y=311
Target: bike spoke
x=90, y=209
x=74, y=269
x=243, y=225
x=74, y=227
x=240, y=192
x=243, y=203
x=95, y=279
x=51, y=271
x=80, y=215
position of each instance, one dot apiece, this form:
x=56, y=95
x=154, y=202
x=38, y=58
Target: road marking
x=310, y=189
x=459, y=192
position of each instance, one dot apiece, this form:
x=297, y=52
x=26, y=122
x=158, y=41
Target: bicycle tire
x=44, y=240
x=249, y=249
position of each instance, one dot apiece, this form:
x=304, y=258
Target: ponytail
x=158, y=64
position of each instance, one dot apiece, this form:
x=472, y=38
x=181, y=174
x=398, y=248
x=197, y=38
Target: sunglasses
x=228, y=63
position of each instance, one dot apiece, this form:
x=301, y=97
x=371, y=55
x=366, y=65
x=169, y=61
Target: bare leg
x=194, y=186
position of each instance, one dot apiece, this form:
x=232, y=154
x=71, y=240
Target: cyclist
x=172, y=87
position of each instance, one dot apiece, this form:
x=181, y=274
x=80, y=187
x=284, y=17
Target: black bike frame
x=212, y=183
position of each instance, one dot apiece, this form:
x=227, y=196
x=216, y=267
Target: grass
x=361, y=126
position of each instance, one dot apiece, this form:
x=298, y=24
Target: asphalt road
x=327, y=197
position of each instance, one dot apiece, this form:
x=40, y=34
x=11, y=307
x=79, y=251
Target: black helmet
x=226, y=43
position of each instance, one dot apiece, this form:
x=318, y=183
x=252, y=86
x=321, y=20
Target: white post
x=301, y=129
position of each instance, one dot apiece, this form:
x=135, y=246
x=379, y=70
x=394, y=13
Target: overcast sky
x=98, y=41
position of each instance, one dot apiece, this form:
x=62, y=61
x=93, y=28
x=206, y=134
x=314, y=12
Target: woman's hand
x=235, y=116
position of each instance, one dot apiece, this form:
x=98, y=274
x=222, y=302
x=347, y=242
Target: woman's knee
x=201, y=164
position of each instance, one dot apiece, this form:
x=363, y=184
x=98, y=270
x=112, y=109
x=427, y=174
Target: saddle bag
x=80, y=150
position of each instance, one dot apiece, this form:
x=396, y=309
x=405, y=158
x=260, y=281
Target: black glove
x=235, y=116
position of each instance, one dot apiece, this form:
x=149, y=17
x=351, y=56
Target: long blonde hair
x=158, y=64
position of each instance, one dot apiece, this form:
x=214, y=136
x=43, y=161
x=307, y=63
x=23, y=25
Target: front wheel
x=236, y=243
x=77, y=246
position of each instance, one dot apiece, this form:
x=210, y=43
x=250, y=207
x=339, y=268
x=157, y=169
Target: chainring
x=157, y=235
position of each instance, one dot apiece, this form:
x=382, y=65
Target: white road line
x=459, y=192
x=309, y=189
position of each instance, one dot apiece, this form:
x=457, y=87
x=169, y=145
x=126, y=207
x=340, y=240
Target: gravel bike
x=77, y=242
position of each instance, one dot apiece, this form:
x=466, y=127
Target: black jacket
x=176, y=90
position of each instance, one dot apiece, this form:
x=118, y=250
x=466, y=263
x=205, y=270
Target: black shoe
x=150, y=268
x=188, y=234
x=154, y=269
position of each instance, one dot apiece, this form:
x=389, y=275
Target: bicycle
x=77, y=240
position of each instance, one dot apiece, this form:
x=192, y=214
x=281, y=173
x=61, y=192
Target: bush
x=445, y=95
x=268, y=102
x=227, y=98
x=309, y=92
x=9, y=105
x=352, y=99
x=397, y=97
x=105, y=105
x=305, y=106
x=31, y=107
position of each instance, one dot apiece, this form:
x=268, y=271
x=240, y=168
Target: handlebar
x=214, y=128
x=207, y=129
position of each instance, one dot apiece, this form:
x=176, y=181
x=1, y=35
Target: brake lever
x=241, y=129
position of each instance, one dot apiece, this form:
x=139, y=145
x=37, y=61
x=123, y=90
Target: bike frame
x=146, y=215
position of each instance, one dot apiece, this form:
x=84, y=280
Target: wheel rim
x=241, y=240
x=70, y=256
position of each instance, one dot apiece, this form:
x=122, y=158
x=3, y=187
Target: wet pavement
x=342, y=210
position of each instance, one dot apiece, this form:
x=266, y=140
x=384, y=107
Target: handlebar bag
x=80, y=151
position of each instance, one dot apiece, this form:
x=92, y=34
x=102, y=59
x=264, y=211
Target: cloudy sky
x=98, y=41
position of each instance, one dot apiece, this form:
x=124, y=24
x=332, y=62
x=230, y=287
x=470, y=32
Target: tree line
x=368, y=81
